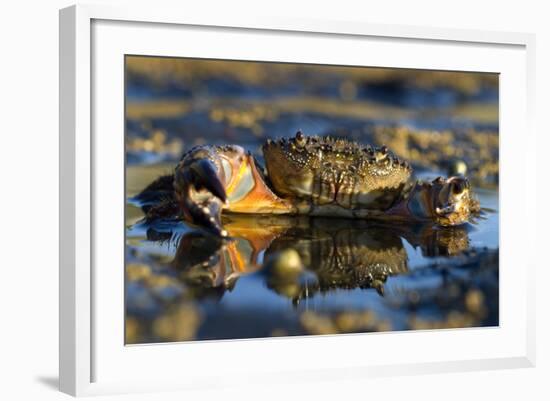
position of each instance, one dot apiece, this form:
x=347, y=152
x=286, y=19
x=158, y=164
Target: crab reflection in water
x=300, y=257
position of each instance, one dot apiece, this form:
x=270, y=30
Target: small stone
x=474, y=301
x=137, y=271
x=285, y=264
x=178, y=324
x=458, y=167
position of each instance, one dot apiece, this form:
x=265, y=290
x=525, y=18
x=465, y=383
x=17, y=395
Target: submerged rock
x=285, y=265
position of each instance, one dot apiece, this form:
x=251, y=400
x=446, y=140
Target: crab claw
x=447, y=202
x=204, y=174
x=453, y=201
x=199, y=183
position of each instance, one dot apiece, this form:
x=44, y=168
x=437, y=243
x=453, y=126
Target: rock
x=458, y=167
x=285, y=265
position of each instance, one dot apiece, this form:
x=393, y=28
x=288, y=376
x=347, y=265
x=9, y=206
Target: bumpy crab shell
x=332, y=171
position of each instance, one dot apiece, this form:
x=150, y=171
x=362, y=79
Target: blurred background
x=428, y=117
x=442, y=122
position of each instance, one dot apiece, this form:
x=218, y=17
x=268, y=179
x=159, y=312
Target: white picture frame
x=94, y=360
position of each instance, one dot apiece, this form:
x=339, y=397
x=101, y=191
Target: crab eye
x=300, y=138
x=381, y=154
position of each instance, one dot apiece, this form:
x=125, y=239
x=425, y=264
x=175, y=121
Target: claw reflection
x=301, y=257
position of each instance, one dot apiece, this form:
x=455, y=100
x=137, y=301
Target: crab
x=313, y=176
